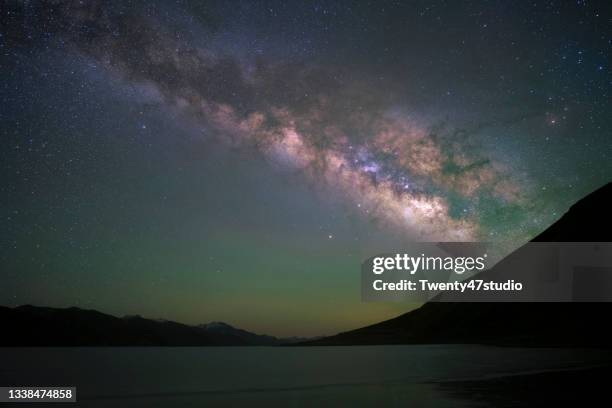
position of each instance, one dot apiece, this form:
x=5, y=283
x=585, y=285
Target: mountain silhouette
x=45, y=326
x=534, y=324
x=224, y=329
x=588, y=220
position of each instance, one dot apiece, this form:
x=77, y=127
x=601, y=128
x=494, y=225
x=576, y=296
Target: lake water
x=266, y=376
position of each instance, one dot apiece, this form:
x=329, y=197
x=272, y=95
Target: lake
x=282, y=376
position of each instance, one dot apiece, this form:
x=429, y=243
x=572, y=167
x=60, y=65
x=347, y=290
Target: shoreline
x=555, y=387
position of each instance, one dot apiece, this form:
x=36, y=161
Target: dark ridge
x=588, y=220
x=45, y=326
x=526, y=324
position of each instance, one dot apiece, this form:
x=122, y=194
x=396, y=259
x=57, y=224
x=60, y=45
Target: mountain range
x=45, y=326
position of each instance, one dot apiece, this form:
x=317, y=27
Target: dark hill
x=45, y=326
x=588, y=220
x=224, y=329
x=541, y=324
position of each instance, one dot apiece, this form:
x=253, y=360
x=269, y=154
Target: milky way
x=395, y=168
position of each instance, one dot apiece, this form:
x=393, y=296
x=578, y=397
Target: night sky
x=237, y=161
